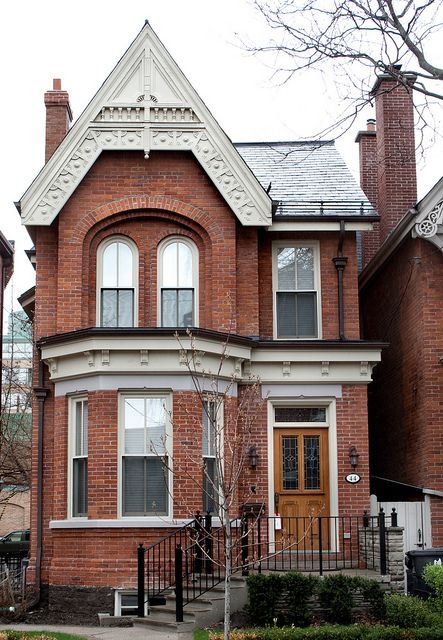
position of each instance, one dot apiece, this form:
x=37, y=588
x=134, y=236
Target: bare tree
x=354, y=41
x=15, y=419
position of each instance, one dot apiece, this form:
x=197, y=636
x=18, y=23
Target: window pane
x=126, y=308
x=133, y=486
x=134, y=413
x=290, y=462
x=311, y=445
x=286, y=268
x=156, y=426
x=286, y=315
x=125, y=271
x=185, y=308
x=80, y=484
x=109, y=278
x=85, y=428
x=135, y=441
x=209, y=430
x=306, y=315
x=156, y=495
x=300, y=414
x=109, y=308
x=169, y=308
x=209, y=485
x=78, y=429
x=305, y=268
x=169, y=264
x=184, y=265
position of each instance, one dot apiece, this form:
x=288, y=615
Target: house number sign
x=353, y=478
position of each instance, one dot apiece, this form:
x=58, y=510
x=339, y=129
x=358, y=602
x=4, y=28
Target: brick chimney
x=58, y=117
x=367, y=144
x=387, y=158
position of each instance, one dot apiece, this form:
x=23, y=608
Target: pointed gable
x=145, y=104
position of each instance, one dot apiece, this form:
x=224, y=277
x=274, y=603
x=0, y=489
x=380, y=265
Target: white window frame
x=219, y=436
x=167, y=397
x=73, y=401
x=119, y=593
x=195, y=274
x=310, y=244
x=135, y=262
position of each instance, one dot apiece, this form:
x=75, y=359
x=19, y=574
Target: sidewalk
x=103, y=633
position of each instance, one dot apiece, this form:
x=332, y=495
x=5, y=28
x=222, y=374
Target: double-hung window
x=145, y=460
x=212, y=438
x=296, y=291
x=79, y=448
x=178, y=260
x=117, y=276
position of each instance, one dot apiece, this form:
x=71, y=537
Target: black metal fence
x=13, y=570
x=193, y=559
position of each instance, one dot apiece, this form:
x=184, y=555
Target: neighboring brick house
x=402, y=303
x=146, y=220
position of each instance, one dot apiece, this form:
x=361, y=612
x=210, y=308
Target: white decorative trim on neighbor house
x=430, y=228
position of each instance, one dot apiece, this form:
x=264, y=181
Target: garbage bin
x=415, y=561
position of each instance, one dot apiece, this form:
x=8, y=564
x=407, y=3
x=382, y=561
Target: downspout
x=40, y=393
x=340, y=262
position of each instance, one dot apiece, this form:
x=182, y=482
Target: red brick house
x=402, y=303
x=148, y=220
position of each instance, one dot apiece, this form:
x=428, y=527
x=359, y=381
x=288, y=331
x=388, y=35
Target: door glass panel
x=311, y=452
x=300, y=414
x=290, y=462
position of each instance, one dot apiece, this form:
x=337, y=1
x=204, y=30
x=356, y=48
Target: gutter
x=40, y=393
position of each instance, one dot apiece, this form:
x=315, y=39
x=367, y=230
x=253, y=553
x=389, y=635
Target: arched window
x=178, y=262
x=117, y=283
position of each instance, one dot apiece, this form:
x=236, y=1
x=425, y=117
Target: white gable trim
x=145, y=104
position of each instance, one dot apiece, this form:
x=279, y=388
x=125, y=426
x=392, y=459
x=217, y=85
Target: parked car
x=15, y=543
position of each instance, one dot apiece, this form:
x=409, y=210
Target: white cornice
x=145, y=104
x=150, y=357
x=320, y=225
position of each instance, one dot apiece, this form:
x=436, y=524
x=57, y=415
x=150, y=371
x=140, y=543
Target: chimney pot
x=56, y=84
x=370, y=124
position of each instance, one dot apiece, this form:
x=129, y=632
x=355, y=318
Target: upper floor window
x=178, y=261
x=296, y=287
x=117, y=283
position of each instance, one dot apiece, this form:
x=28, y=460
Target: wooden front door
x=301, y=484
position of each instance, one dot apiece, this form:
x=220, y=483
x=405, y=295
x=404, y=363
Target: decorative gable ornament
x=145, y=104
x=430, y=228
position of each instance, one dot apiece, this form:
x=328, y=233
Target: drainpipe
x=340, y=262
x=40, y=393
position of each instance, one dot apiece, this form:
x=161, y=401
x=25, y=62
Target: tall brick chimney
x=58, y=117
x=387, y=158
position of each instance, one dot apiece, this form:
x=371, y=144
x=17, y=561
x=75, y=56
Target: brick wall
x=14, y=512
x=405, y=399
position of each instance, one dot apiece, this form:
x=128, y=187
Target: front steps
x=204, y=611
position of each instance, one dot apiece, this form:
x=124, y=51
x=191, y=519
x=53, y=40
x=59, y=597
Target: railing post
x=140, y=581
x=209, y=542
x=394, y=515
x=382, y=534
x=178, y=583
x=320, y=547
x=199, y=537
x=259, y=542
x=365, y=519
x=244, y=545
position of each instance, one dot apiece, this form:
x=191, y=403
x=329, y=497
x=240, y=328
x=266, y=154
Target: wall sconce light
x=353, y=457
x=253, y=457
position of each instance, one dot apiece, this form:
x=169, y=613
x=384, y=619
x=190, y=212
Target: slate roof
x=304, y=175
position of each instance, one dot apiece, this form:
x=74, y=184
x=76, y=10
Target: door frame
x=330, y=405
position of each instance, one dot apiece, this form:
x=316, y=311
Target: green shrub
x=373, y=594
x=335, y=594
x=433, y=576
x=299, y=589
x=410, y=612
x=263, y=595
x=328, y=632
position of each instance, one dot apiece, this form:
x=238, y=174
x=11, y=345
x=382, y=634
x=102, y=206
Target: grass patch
x=12, y=634
x=201, y=634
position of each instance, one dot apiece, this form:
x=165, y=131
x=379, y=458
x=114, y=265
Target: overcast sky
x=80, y=42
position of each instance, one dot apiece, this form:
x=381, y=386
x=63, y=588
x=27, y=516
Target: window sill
x=124, y=523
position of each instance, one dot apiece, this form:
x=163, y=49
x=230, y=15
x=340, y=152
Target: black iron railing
x=193, y=559
x=323, y=208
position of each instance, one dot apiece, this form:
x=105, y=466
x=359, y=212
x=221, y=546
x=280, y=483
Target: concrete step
x=179, y=627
